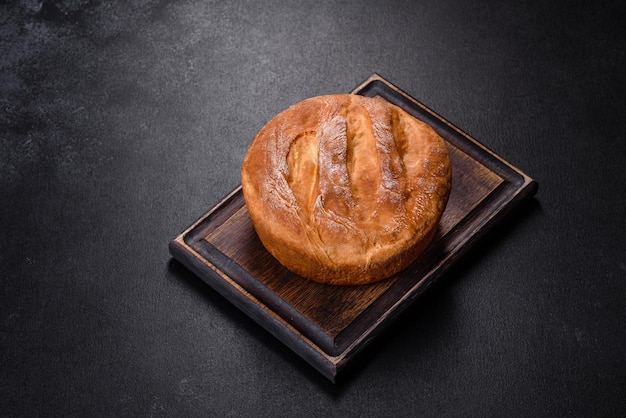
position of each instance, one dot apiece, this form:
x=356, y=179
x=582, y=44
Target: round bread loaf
x=345, y=189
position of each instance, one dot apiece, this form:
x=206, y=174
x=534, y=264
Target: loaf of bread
x=345, y=189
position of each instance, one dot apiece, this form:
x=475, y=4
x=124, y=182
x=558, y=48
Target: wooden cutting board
x=329, y=325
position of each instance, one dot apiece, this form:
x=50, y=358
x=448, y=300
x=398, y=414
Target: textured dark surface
x=122, y=122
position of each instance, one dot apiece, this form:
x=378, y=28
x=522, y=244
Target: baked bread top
x=345, y=189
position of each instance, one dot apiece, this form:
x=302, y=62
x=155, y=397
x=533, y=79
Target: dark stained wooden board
x=328, y=325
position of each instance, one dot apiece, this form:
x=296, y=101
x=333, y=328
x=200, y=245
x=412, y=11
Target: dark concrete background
x=122, y=122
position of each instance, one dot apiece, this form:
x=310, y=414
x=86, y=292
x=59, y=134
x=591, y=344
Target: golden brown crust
x=345, y=189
